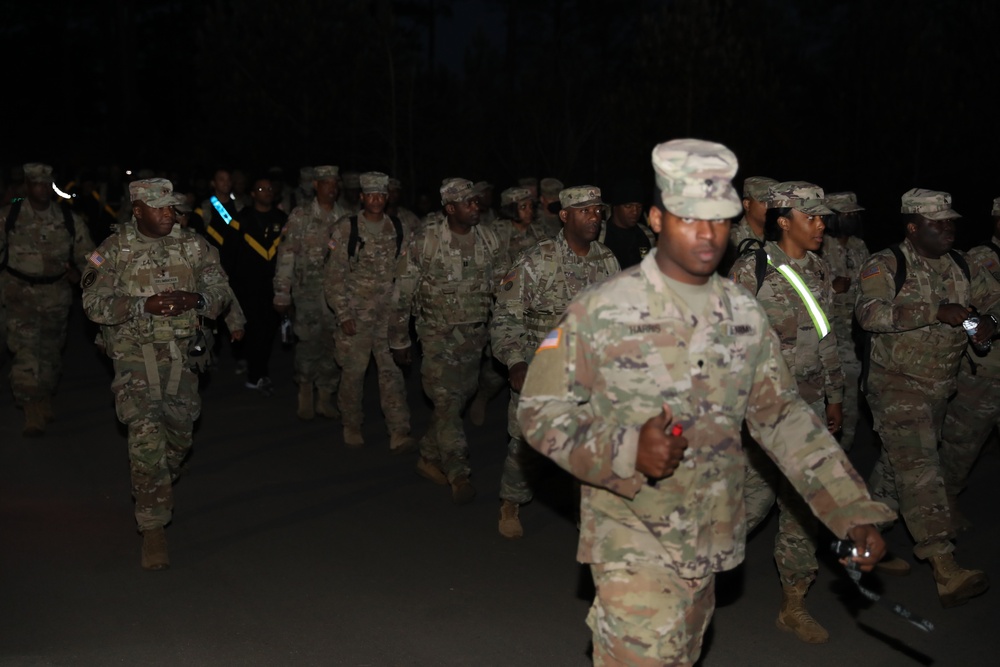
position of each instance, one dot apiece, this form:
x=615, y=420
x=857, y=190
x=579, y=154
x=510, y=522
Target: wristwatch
x=201, y=303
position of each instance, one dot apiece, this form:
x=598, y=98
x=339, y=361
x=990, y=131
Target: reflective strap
x=152, y=372
x=221, y=209
x=815, y=312
x=267, y=254
x=215, y=235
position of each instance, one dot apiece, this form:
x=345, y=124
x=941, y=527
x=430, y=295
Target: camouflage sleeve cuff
x=282, y=299
x=858, y=513
x=624, y=454
x=139, y=306
x=514, y=360
x=835, y=395
x=394, y=346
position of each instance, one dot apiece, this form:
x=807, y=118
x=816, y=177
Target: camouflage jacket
x=622, y=350
x=128, y=268
x=910, y=347
x=302, y=253
x=986, y=257
x=844, y=260
x=514, y=241
x=814, y=362
x=534, y=294
x=742, y=231
x=442, y=283
x=40, y=246
x=361, y=287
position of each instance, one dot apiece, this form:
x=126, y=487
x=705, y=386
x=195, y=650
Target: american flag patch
x=870, y=271
x=990, y=264
x=551, y=341
x=96, y=259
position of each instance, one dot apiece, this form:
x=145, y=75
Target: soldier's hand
x=517, y=373
x=237, y=335
x=402, y=357
x=659, y=454
x=834, y=417
x=985, y=331
x=841, y=284
x=349, y=327
x=953, y=313
x=867, y=540
x=167, y=304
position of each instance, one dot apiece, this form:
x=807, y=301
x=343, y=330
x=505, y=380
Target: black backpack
x=760, y=258
x=898, y=279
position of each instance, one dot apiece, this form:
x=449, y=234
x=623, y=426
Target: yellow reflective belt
x=815, y=311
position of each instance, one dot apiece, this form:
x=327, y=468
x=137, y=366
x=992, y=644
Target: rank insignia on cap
x=551, y=341
x=96, y=259
x=870, y=271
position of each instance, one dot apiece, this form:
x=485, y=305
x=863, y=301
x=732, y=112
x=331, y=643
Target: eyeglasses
x=267, y=189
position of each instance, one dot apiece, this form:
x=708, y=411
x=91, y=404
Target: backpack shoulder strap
x=760, y=265
x=900, y=276
x=397, y=224
x=962, y=264
x=352, y=238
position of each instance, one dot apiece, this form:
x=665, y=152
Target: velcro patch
x=89, y=278
x=96, y=259
x=551, y=341
x=872, y=270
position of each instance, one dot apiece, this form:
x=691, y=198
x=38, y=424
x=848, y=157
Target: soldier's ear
x=449, y=209
x=563, y=215
x=655, y=219
x=746, y=205
x=784, y=222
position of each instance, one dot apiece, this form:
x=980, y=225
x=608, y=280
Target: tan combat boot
x=353, y=437
x=893, y=565
x=326, y=405
x=956, y=585
x=154, y=549
x=477, y=409
x=34, y=419
x=462, y=491
x=510, y=523
x=959, y=522
x=794, y=617
x=400, y=443
x=432, y=471
x=306, y=409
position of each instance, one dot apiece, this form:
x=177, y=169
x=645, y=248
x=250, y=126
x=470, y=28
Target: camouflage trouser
x=852, y=371
x=354, y=355
x=491, y=382
x=520, y=456
x=796, y=541
x=449, y=373
x=159, y=431
x=37, y=316
x=907, y=475
x=972, y=414
x=315, y=352
x=648, y=616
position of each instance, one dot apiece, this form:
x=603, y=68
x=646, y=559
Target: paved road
x=287, y=548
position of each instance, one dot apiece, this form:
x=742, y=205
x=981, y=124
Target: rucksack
x=898, y=279
x=760, y=258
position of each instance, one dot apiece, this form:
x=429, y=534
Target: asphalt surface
x=287, y=548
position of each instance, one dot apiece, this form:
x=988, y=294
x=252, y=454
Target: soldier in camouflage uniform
x=975, y=408
x=359, y=284
x=147, y=286
x=845, y=252
x=43, y=249
x=751, y=225
x=917, y=343
x=451, y=271
x=350, y=192
x=484, y=199
x=516, y=228
x=794, y=229
x=663, y=346
x=298, y=280
x=392, y=207
x=548, y=195
x=530, y=300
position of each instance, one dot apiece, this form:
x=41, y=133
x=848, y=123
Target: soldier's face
x=222, y=182
x=582, y=223
x=688, y=250
x=327, y=191
x=932, y=238
x=802, y=232
x=374, y=202
x=525, y=211
x=263, y=192
x=465, y=212
x=755, y=211
x=153, y=222
x=39, y=193
x=628, y=215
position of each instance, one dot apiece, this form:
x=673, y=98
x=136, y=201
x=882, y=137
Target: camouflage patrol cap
x=307, y=174
x=374, y=181
x=580, y=195
x=325, y=172
x=802, y=196
x=844, y=202
x=456, y=190
x=352, y=179
x=931, y=204
x=482, y=186
x=395, y=184
x=550, y=187
x=996, y=206
x=36, y=172
x=755, y=187
x=154, y=192
x=511, y=195
x=695, y=179
x=528, y=182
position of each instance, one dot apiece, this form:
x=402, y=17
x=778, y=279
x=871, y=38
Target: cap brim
x=947, y=214
x=700, y=208
x=814, y=209
x=581, y=204
x=848, y=208
x=163, y=201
